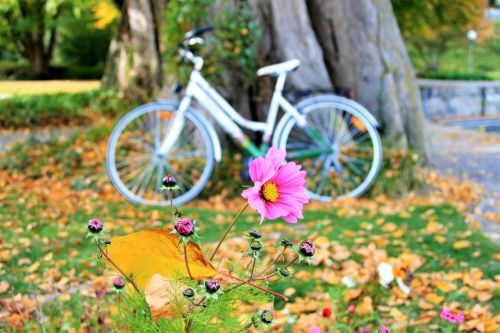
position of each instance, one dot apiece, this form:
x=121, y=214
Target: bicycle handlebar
x=199, y=31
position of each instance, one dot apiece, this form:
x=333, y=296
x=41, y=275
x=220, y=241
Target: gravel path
x=470, y=154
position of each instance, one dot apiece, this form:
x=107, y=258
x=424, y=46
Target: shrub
x=57, y=109
x=456, y=76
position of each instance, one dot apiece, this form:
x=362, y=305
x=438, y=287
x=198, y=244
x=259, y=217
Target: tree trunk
x=134, y=58
x=345, y=43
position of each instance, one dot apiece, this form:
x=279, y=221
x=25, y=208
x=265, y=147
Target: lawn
x=47, y=87
x=50, y=281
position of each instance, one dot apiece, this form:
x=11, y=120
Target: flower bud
x=307, y=248
x=188, y=293
x=185, y=226
x=267, y=316
x=286, y=243
x=351, y=308
x=383, y=330
x=284, y=272
x=95, y=226
x=256, y=245
x=169, y=181
x=212, y=286
x=118, y=283
x=255, y=234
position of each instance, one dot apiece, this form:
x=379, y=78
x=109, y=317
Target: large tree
x=30, y=29
x=355, y=44
x=134, y=59
x=341, y=43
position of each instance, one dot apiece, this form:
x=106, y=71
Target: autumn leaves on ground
x=49, y=280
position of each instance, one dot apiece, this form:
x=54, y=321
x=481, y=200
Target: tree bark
x=345, y=43
x=134, y=60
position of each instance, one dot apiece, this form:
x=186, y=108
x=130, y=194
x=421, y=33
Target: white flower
x=348, y=282
x=403, y=286
x=386, y=276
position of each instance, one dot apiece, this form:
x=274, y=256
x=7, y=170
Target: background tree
x=432, y=26
x=342, y=43
x=134, y=65
x=30, y=28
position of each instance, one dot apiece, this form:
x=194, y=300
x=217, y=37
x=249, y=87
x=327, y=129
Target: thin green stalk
x=227, y=231
x=186, y=261
x=106, y=256
x=273, y=274
x=255, y=286
x=172, y=203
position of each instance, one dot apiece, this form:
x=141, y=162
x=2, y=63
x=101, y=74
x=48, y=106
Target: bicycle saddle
x=281, y=68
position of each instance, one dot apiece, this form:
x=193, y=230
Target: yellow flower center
x=270, y=192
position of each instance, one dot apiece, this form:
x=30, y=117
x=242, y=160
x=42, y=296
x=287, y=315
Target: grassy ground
x=47, y=87
x=49, y=191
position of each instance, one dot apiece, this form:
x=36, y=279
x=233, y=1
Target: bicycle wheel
x=136, y=170
x=353, y=156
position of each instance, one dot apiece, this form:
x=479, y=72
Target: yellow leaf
x=33, y=267
x=445, y=286
x=389, y=227
x=463, y=244
x=156, y=251
x=434, y=298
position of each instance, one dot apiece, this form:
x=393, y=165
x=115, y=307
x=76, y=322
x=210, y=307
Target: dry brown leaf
x=164, y=297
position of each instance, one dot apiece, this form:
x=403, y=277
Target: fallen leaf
x=434, y=298
x=463, y=244
x=164, y=297
x=156, y=251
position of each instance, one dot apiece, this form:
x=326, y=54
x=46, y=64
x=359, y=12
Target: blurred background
x=429, y=71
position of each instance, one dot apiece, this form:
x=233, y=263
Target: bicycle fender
x=211, y=131
x=339, y=99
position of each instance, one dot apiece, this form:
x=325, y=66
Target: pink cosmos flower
x=452, y=317
x=315, y=330
x=278, y=191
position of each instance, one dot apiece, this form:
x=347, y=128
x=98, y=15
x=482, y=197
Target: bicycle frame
x=229, y=118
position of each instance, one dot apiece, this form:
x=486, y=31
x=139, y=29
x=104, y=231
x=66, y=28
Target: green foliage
x=57, y=109
x=456, y=76
x=233, y=46
x=431, y=27
x=82, y=43
x=217, y=316
x=21, y=71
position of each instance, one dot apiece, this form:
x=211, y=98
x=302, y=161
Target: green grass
x=47, y=87
x=43, y=110
x=30, y=235
x=53, y=189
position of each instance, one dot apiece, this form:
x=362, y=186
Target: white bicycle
x=334, y=138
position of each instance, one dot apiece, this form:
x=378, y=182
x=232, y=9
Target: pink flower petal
x=261, y=170
x=276, y=157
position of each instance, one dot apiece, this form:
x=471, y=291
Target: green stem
x=252, y=270
x=186, y=261
x=172, y=204
x=106, y=256
x=255, y=286
x=272, y=263
x=273, y=274
x=227, y=231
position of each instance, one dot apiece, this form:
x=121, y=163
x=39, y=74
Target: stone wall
x=457, y=99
